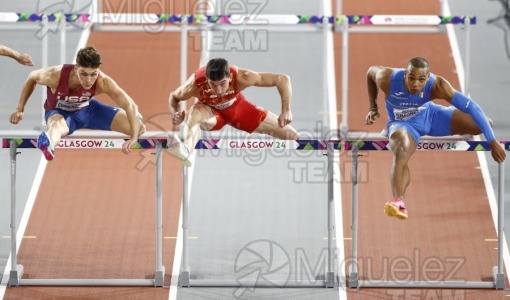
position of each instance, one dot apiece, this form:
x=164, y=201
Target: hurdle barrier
x=87, y=140
x=330, y=278
x=498, y=274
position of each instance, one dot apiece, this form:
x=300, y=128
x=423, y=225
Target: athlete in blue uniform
x=411, y=115
x=70, y=102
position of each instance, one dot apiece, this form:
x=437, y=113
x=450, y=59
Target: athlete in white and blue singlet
x=411, y=115
x=70, y=104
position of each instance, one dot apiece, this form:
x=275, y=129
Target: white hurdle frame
x=497, y=271
x=16, y=273
x=330, y=278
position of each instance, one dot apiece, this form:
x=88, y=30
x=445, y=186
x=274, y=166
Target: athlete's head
x=416, y=74
x=218, y=75
x=88, y=61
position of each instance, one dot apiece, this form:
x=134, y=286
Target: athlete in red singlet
x=218, y=88
x=70, y=104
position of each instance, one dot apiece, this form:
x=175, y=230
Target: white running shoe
x=177, y=149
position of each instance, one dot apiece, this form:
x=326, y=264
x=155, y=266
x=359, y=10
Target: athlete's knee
x=196, y=114
x=205, y=126
x=198, y=110
x=141, y=125
x=292, y=134
x=142, y=129
x=400, y=143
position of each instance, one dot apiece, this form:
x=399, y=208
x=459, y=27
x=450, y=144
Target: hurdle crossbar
x=109, y=140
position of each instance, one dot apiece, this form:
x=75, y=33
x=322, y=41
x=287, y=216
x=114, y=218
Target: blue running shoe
x=45, y=145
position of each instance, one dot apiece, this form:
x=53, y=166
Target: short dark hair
x=418, y=62
x=88, y=57
x=217, y=69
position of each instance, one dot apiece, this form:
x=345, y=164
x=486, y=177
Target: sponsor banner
x=362, y=145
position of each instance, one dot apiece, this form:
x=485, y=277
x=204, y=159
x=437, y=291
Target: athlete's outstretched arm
x=282, y=82
x=444, y=90
x=44, y=76
x=22, y=58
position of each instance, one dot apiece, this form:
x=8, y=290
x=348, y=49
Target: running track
x=111, y=226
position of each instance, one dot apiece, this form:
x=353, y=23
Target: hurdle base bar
x=257, y=283
x=428, y=284
x=87, y=282
x=15, y=276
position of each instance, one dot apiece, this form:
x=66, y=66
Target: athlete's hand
x=285, y=118
x=16, y=117
x=497, y=151
x=178, y=117
x=371, y=117
x=128, y=145
x=24, y=59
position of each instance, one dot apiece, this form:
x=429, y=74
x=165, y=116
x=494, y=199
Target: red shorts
x=242, y=115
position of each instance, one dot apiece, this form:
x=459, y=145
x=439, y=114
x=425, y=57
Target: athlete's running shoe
x=178, y=149
x=46, y=146
x=396, y=208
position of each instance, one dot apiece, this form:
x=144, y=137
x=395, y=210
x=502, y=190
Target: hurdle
x=330, y=277
x=449, y=145
x=15, y=140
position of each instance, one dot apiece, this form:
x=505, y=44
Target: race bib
x=405, y=114
x=68, y=106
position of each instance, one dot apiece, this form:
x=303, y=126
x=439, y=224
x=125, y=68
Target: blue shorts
x=436, y=120
x=94, y=116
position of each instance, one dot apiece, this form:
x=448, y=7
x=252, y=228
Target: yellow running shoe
x=396, y=208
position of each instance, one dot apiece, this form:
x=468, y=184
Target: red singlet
x=233, y=108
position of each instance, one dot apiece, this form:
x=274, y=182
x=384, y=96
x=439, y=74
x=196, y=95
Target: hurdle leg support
x=330, y=278
x=353, y=269
x=159, y=274
x=16, y=270
x=499, y=276
x=184, y=276
x=15, y=276
x=184, y=279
